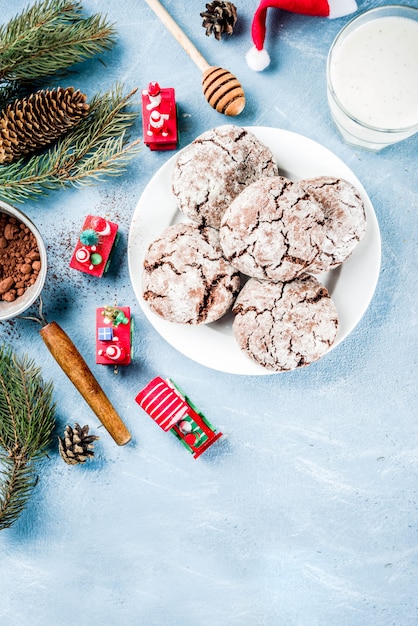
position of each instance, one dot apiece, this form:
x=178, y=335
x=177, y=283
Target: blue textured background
x=306, y=512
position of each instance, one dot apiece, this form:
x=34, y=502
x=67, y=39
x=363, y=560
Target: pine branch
x=50, y=36
x=13, y=91
x=17, y=482
x=95, y=148
x=27, y=419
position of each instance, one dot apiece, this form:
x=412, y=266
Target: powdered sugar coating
x=211, y=171
x=345, y=219
x=273, y=230
x=283, y=326
x=186, y=279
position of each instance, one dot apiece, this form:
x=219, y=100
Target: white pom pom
x=257, y=60
x=339, y=8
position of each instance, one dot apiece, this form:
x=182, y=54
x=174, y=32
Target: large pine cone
x=219, y=17
x=32, y=123
x=77, y=445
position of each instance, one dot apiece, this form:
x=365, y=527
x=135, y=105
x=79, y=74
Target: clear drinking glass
x=372, y=77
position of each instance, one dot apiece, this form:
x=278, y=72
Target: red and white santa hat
x=257, y=57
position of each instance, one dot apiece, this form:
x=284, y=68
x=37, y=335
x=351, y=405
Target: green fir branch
x=49, y=36
x=95, y=148
x=27, y=420
x=17, y=482
x=13, y=91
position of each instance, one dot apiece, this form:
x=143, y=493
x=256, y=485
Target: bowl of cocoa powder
x=22, y=262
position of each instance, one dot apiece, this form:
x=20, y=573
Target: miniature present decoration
x=159, y=117
x=104, y=333
x=114, y=335
x=95, y=245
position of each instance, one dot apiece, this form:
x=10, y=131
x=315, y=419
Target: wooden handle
x=178, y=34
x=72, y=363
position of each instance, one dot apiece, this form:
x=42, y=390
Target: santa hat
x=258, y=58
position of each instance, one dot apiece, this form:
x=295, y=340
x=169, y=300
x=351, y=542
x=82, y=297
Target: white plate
x=351, y=285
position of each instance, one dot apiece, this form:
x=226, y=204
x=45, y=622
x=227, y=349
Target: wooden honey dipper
x=220, y=88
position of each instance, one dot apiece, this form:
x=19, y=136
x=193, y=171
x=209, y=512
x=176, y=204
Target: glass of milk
x=372, y=77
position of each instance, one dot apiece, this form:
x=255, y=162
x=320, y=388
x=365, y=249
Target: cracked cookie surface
x=273, y=230
x=284, y=326
x=213, y=170
x=345, y=219
x=186, y=279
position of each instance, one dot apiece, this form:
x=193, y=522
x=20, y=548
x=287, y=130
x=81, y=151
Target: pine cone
x=77, y=445
x=219, y=17
x=32, y=123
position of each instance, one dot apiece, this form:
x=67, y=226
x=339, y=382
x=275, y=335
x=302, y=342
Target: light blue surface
x=306, y=513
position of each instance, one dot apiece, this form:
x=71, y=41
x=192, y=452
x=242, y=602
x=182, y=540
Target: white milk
x=374, y=72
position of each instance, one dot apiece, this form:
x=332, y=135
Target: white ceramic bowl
x=12, y=309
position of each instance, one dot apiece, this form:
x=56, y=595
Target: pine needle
x=27, y=420
x=48, y=37
x=95, y=148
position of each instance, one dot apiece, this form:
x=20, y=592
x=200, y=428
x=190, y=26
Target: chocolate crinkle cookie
x=284, y=326
x=186, y=278
x=345, y=219
x=212, y=171
x=273, y=230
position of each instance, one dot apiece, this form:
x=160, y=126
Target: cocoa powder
x=20, y=261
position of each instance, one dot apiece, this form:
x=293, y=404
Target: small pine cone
x=30, y=124
x=219, y=17
x=77, y=445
